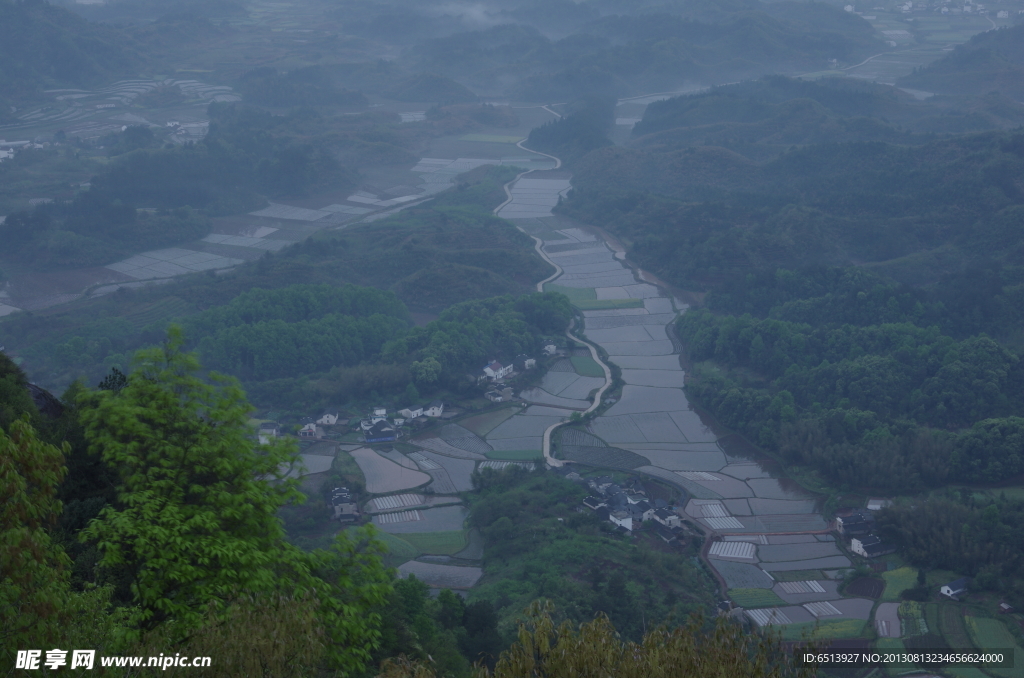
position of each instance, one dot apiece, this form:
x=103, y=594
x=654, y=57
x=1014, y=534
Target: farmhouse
x=955, y=588
x=641, y=511
x=667, y=518
x=855, y=524
x=411, y=412
x=667, y=535
x=328, y=418
x=434, y=409
x=343, y=506
x=268, y=431
x=524, y=362
x=495, y=370
x=493, y=396
x=870, y=546
x=593, y=503
x=308, y=431
x=550, y=349
x=381, y=432
x=622, y=518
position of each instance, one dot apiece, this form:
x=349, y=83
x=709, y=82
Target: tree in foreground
x=194, y=539
x=595, y=650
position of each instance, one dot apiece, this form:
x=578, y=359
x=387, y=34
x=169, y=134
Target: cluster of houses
x=859, y=528
x=378, y=429
x=628, y=508
x=343, y=507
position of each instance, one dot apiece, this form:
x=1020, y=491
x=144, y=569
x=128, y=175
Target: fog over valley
x=512, y=338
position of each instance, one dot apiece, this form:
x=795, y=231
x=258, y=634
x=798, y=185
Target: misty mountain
x=990, y=61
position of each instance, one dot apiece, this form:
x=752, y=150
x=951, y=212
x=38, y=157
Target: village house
x=641, y=510
x=411, y=412
x=666, y=535
x=328, y=418
x=524, y=362
x=434, y=409
x=667, y=518
x=342, y=505
x=593, y=503
x=622, y=519
x=268, y=431
x=493, y=396
x=550, y=349
x=870, y=546
x=855, y=524
x=955, y=588
x=378, y=415
x=495, y=371
x=381, y=432
x=309, y=431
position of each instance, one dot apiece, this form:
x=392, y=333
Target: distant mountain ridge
x=990, y=61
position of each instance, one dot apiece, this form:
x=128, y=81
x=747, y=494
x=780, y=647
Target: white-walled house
x=622, y=519
x=495, y=370
x=434, y=409
x=328, y=418
x=268, y=431
x=955, y=588
x=667, y=518
x=411, y=412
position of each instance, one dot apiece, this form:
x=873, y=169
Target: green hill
x=990, y=61
x=762, y=118
x=42, y=45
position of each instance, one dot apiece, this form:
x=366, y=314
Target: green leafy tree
x=33, y=569
x=194, y=531
x=594, y=649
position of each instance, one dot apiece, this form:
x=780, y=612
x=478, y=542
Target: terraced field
x=753, y=598
x=437, y=543
x=951, y=624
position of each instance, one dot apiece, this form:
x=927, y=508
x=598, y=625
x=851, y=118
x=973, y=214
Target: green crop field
x=843, y=628
x=437, y=543
x=346, y=465
x=753, y=598
x=992, y=634
x=898, y=581
x=575, y=294
x=586, y=366
x=515, y=455
x=912, y=614
x=399, y=550
x=989, y=633
x=951, y=623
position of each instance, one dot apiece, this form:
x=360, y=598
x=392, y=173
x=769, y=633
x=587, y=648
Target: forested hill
x=897, y=368
x=761, y=118
x=989, y=61
x=42, y=45
x=621, y=54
